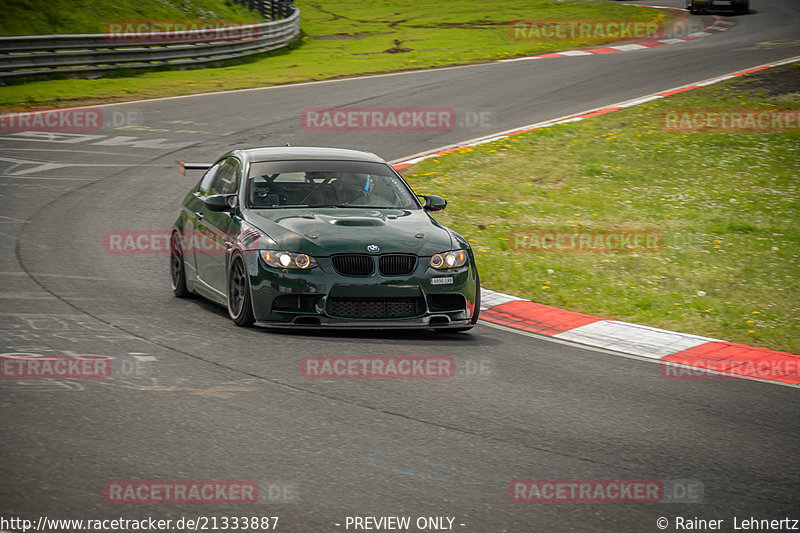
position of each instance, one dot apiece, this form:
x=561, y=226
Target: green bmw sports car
x=741, y=7
x=320, y=238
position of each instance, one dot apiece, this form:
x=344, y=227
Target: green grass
x=41, y=17
x=341, y=38
x=728, y=205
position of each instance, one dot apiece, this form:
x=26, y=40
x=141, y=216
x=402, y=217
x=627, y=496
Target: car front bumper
x=719, y=5
x=323, y=298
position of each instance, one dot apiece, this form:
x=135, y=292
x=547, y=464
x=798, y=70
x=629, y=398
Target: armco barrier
x=38, y=55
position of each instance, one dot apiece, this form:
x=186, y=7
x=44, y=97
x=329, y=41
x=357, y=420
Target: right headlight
x=282, y=259
x=453, y=259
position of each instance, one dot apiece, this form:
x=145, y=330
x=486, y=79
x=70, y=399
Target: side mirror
x=220, y=202
x=433, y=203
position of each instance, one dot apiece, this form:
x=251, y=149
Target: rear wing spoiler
x=192, y=166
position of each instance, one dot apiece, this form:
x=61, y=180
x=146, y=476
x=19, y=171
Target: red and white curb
x=643, y=341
x=422, y=156
x=671, y=347
x=720, y=24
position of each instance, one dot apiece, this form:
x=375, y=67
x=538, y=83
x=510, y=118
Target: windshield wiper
x=370, y=206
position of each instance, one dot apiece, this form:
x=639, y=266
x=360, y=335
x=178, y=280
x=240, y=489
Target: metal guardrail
x=34, y=56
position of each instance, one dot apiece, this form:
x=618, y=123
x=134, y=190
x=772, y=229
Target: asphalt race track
x=204, y=400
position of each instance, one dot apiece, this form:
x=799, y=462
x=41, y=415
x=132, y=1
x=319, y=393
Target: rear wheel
x=240, y=307
x=176, y=267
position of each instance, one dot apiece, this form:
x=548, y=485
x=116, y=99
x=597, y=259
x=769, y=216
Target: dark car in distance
x=741, y=7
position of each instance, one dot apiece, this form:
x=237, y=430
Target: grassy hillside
x=341, y=38
x=39, y=17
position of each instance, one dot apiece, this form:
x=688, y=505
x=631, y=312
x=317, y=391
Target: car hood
x=323, y=232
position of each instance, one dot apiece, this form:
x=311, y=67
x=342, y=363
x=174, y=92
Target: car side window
x=208, y=177
x=226, y=180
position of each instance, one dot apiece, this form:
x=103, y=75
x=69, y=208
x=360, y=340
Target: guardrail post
x=285, y=8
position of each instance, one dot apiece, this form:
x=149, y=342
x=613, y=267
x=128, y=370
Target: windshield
x=285, y=184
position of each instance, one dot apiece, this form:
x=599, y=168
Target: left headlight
x=453, y=259
x=283, y=259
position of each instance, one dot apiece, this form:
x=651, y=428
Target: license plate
x=721, y=3
x=442, y=281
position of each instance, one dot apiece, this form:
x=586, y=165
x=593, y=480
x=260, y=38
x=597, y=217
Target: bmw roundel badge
x=374, y=248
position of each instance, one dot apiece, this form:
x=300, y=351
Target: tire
x=240, y=306
x=176, y=267
x=475, y=313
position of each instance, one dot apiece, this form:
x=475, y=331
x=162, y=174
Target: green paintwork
x=351, y=230
x=320, y=233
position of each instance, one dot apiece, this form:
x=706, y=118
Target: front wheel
x=240, y=307
x=475, y=313
x=176, y=267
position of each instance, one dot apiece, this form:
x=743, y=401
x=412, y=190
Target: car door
x=193, y=205
x=213, y=229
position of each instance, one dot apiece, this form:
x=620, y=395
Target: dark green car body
x=741, y=7
x=370, y=266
